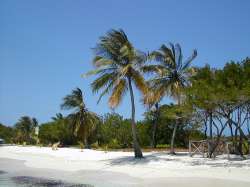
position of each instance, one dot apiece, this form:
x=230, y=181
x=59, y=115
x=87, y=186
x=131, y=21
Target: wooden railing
x=203, y=147
x=198, y=147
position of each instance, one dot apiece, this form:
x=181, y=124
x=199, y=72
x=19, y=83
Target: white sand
x=155, y=165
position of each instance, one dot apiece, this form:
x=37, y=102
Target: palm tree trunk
x=173, y=137
x=86, y=143
x=153, y=142
x=84, y=134
x=137, y=149
x=172, y=151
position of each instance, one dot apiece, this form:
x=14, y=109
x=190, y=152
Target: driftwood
x=55, y=146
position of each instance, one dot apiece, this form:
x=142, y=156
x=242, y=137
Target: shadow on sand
x=130, y=160
x=178, y=157
x=41, y=182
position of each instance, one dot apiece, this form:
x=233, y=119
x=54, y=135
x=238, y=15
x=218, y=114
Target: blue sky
x=45, y=45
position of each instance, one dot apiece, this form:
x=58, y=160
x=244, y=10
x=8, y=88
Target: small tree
x=82, y=120
x=25, y=128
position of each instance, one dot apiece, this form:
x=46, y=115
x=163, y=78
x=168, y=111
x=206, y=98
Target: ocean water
x=27, y=181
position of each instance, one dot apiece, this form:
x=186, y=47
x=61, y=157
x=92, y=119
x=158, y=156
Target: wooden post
x=203, y=150
x=208, y=147
x=190, y=148
x=227, y=149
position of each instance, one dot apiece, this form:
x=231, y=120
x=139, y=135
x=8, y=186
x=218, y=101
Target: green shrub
x=95, y=145
x=245, y=147
x=160, y=146
x=81, y=145
x=113, y=144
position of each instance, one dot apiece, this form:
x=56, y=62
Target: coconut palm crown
x=82, y=119
x=172, y=72
x=172, y=75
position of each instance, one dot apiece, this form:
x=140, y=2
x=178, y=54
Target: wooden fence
x=202, y=148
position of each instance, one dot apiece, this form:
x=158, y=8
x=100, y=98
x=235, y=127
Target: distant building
x=1, y=141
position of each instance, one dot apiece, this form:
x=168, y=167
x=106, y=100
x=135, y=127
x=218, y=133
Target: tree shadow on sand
x=178, y=158
x=130, y=160
x=233, y=162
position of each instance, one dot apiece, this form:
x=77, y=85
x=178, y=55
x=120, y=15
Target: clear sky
x=45, y=45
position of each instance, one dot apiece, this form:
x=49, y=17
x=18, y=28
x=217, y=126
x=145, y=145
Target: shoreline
x=122, y=168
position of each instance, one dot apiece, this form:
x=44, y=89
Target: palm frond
x=187, y=63
x=169, y=56
x=73, y=100
x=159, y=69
x=139, y=81
x=102, y=81
x=118, y=92
x=174, y=74
x=106, y=91
x=157, y=56
x=118, y=59
x=179, y=56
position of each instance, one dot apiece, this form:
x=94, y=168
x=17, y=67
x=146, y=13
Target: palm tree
x=118, y=65
x=155, y=121
x=172, y=76
x=152, y=103
x=26, y=128
x=82, y=119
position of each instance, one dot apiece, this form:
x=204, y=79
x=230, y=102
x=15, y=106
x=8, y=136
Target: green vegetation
x=59, y=129
x=82, y=121
x=7, y=133
x=221, y=99
x=25, y=130
x=209, y=103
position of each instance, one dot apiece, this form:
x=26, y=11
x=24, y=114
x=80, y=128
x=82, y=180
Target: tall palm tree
x=82, y=119
x=118, y=65
x=172, y=76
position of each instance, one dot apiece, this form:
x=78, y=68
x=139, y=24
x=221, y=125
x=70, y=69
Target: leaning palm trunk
x=173, y=138
x=172, y=151
x=153, y=142
x=137, y=149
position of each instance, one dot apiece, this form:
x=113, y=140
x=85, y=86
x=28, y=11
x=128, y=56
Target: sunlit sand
x=120, y=168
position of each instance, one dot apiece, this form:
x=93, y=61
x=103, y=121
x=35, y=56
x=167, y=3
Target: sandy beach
x=101, y=168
